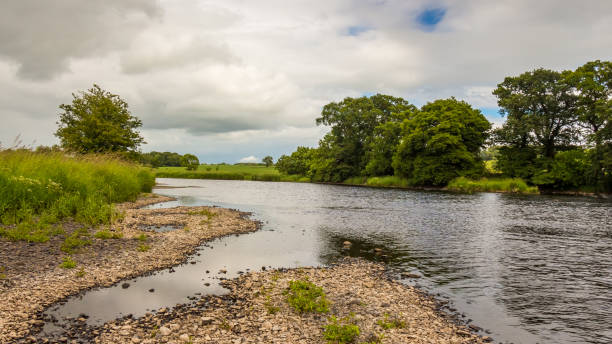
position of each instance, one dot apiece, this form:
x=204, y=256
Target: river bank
x=32, y=278
x=256, y=311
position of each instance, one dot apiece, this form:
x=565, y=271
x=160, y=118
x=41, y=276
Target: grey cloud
x=170, y=54
x=42, y=37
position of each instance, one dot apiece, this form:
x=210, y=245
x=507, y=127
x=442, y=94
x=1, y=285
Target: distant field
x=234, y=172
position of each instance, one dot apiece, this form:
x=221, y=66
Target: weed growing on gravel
x=142, y=237
x=204, y=212
x=2, y=274
x=375, y=339
x=154, y=331
x=305, y=296
x=144, y=248
x=224, y=325
x=340, y=331
x=388, y=324
x=76, y=240
x=68, y=263
x=270, y=307
x=106, y=234
x=81, y=273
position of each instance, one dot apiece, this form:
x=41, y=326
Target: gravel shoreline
x=256, y=311
x=33, y=280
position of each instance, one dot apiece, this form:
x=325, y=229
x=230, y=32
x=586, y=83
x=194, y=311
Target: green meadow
x=222, y=171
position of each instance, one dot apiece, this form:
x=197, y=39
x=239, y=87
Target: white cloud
x=228, y=79
x=250, y=159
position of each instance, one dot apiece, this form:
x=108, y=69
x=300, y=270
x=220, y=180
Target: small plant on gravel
x=2, y=274
x=204, y=212
x=68, y=263
x=154, y=331
x=106, y=234
x=144, y=248
x=224, y=325
x=142, y=237
x=76, y=240
x=187, y=229
x=340, y=331
x=270, y=307
x=388, y=324
x=81, y=273
x=375, y=339
x=305, y=296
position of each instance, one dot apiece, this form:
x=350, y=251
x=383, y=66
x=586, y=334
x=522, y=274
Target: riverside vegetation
x=39, y=190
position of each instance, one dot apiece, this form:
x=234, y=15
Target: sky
x=236, y=80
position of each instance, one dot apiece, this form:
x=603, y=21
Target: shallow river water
x=534, y=269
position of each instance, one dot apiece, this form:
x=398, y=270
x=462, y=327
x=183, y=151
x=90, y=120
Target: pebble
x=164, y=331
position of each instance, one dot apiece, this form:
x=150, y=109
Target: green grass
x=383, y=181
x=37, y=190
x=340, y=331
x=304, y=296
x=510, y=185
x=75, y=241
x=106, y=234
x=222, y=171
x=388, y=324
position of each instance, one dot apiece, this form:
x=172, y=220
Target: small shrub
x=68, y=263
x=144, y=248
x=106, y=234
x=304, y=296
x=388, y=324
x=340, y=331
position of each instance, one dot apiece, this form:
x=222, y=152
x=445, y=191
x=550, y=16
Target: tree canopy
x=268, y=160
x=98, y=121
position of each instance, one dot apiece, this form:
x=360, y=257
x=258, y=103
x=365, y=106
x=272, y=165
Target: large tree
x=441, y=142
x=352, y=122
x=98, y=121
x=541, y=107
x=593, y=85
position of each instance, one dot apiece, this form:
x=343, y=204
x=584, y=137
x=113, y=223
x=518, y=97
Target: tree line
x=557, y=135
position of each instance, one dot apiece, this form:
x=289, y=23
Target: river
x=527, y=269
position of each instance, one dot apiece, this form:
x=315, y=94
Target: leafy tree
x=352, y=123
x=384, y=143
x=268, y=160
x=593, y=84
x=98, y=121
x=158, y=159
x=191, y=162
x=441, y=142
x=541, y=108
x=297, y=163
x=569, y=169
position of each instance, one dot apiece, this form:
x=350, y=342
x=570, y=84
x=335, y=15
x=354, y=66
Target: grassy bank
x=509, y=185
x=37, y=190
x=222, y=171
x=263, y=173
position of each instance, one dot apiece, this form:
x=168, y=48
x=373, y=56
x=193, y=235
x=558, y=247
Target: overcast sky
x=233, y=79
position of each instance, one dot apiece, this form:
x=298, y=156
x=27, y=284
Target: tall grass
x=39, y=189
x=510, y=185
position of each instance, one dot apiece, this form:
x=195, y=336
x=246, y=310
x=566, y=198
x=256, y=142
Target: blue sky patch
x=428, y=19
x=356, y=30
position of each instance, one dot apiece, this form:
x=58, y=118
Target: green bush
x=304, y=296
x=40, y=189
x=340, y=331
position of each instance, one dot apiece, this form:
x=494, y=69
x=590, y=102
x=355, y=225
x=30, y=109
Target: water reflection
x=530, y=269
